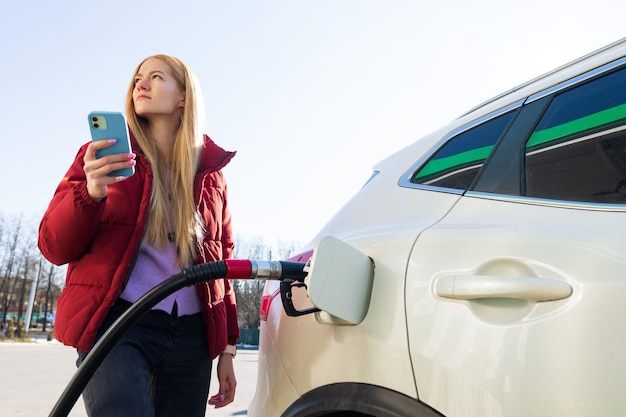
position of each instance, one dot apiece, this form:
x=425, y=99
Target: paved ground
x=33, y=376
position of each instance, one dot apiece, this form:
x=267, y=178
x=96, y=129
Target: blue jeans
x=160, y=368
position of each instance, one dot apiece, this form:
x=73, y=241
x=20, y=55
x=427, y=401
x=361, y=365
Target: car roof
x=563, y=73
x=595, y=59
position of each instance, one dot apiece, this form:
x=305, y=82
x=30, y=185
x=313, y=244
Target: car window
x=577, y=152
x=457, y=162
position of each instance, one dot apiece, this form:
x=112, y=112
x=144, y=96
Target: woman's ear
x=181, y=103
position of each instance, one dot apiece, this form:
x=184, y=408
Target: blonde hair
x=186, y=149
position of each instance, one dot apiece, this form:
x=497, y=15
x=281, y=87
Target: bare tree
x=9, y=262
x=51, y=290
x=20, y=289
x=22, y=266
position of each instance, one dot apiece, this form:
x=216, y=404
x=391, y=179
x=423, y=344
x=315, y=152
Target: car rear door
x=494, y=349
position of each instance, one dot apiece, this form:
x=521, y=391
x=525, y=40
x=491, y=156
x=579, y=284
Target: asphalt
x=35, y=372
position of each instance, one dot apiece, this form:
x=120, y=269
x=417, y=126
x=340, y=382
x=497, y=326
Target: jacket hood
x=214, y=157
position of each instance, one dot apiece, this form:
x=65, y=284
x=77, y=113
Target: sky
x=310, y=93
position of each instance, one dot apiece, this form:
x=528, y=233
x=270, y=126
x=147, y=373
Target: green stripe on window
x=600, y=118
x=436, y=166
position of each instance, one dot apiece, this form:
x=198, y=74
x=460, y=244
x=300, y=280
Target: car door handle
x=471, y=287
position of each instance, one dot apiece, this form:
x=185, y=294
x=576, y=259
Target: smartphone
x=111, y=125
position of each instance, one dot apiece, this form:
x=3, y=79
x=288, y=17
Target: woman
x=121, y=236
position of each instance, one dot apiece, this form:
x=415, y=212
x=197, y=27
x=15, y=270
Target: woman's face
x=156, y=92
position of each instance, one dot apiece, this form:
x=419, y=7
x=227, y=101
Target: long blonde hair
x=186, y=150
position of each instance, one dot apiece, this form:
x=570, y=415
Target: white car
x=498, y=278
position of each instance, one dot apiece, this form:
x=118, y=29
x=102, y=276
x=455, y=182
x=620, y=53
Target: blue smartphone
x=111, y=125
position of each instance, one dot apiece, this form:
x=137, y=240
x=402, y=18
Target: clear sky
x=310, y=93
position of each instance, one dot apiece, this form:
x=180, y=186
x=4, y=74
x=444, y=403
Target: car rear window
x=577, y=152
x=457, y=162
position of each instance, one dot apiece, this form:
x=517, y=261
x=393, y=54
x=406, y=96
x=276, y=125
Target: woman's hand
x=228, y=383
x=97, y=169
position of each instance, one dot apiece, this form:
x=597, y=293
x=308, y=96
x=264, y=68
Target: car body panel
x=384, y=347
x=508, y=354
x=274, y=390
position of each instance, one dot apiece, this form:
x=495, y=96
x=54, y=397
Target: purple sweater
x=152, y=268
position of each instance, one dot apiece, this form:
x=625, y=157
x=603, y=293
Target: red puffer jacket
x=100, y=241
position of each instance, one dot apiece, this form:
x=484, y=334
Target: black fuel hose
x=230, y=268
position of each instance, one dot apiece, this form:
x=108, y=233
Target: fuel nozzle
x=246, y=269
x=279, y=270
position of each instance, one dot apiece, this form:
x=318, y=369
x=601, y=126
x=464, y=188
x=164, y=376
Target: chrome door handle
x=471, y=287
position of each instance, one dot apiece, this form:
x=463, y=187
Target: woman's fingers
x=97, y=169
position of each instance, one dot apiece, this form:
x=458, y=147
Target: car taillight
x=266, y=302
